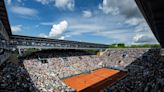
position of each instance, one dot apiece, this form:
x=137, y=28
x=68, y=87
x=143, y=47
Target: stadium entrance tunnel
x=101, y=52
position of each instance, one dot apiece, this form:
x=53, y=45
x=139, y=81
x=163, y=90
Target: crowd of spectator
x=145, y=71
x=146, y=74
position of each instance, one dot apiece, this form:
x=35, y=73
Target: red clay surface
x=95, y=80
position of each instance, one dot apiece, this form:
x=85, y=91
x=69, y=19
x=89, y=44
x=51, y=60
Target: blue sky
x=98, y=21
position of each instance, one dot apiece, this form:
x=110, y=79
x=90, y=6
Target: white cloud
x=106, y=8
x=43, y=35
x=65, y=4
x=87, y=13
x=128, y=8
x=79, y=29
x=8, y=2
x=61, y=4
x=24, y=11
x=114, y=28
x=134, y=21
x=89, y=27
x=58, y=29
x=62, y=38
x=118, y=35
x=44, y=1
x=144, y=38
x=16, y=28
x=79, y=26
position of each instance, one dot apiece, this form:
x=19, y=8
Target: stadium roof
x=51, y=40
x=153, y=11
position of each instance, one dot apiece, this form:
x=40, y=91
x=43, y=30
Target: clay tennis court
x=95, y=80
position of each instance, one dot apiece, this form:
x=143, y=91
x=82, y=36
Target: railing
x=54, y=45
x=35, y=42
